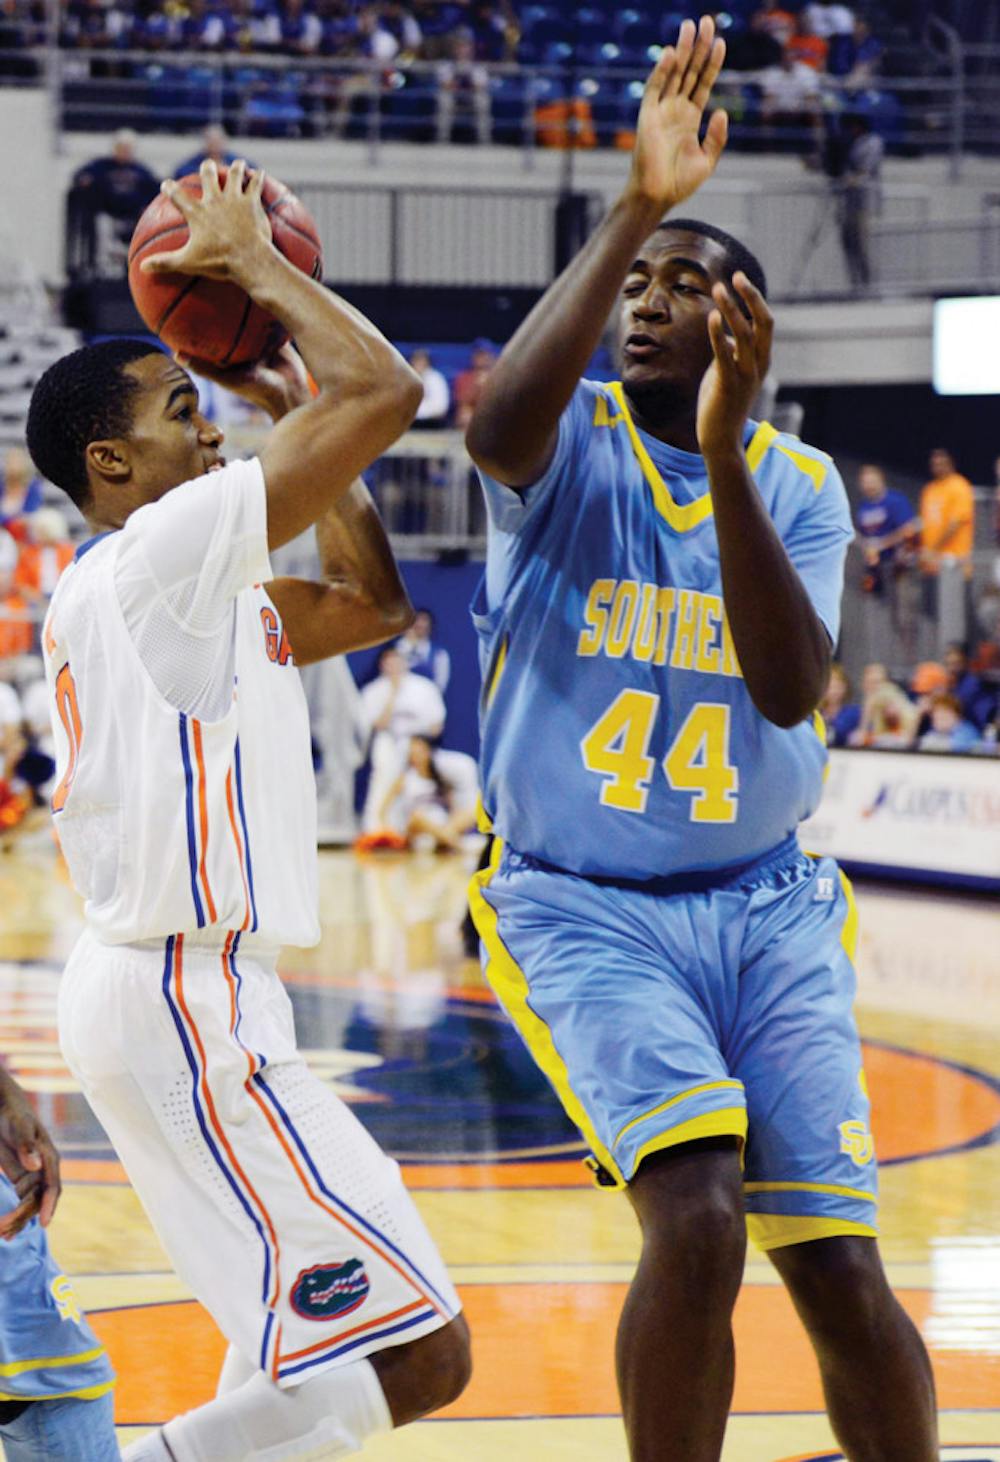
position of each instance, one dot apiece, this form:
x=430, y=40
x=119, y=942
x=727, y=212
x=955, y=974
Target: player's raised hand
x=225, y=223
x=277, y=384
x=670, y=162
x=741, y=346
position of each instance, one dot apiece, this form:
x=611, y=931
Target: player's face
x=665, y=305
x=170, y=441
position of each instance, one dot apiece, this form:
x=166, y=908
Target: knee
x=427, y=1374
x=837, y=1284
x=700, y=1231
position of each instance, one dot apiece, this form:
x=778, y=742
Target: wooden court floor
x=400, y=1023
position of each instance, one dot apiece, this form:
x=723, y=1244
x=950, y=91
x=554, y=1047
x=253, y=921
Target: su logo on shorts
x=328, y=1290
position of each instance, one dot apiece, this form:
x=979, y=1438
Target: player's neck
x=663, y=416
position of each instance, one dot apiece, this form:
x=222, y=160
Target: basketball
x=213, y=319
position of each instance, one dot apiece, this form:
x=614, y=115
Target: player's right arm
x=28, y=1157
x=368, y=395
x=513, y=432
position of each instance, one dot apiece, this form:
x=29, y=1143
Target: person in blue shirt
x=660, y=599
x=977, y=700
x=56, y=1382
x=888, y=527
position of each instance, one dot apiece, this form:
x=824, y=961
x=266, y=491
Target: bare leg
x=876, y=1372
x=675, y=1357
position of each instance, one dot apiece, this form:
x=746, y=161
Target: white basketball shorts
x=281, y=1213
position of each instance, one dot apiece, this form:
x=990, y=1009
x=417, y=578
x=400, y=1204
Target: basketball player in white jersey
x=186, y=810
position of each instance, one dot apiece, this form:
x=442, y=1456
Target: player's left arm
x=784, y=648
x=360, y=599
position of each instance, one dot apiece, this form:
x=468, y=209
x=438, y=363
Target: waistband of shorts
x=212, y=940
x=785, y=856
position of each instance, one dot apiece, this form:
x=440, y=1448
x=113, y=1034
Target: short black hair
x=84, y=397
x=738, y=256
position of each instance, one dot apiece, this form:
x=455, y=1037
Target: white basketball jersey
x=173, y=824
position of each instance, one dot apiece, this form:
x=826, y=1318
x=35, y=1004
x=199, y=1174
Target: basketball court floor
x=390, y=1013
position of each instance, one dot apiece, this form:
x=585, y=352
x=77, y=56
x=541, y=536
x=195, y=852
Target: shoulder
x=788, y=460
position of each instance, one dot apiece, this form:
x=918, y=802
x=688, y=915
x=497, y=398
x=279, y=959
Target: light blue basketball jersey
x=618, y=736
x=47, y=1348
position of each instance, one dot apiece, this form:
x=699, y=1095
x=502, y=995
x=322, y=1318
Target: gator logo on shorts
x=327, y=1290
x=971, y=1452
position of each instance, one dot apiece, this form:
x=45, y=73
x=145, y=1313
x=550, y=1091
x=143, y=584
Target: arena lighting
x=967, y=346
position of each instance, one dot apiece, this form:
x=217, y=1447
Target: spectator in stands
x=829, y=20
x=437, y=19
x=947, y=524
x=888, y=716
x=753, y=49
x=422, y=654
x=15, y=612
x=859, y=194
x=115, y=188
x=494, y=29
x=778, y=22
x=433, y=409
x=21, y=493
x=207, y=27
x=948, y=731
x=301, y=29
x=396, y=706
x=806, y=45
x=95, y=25
x=368, y=41
x=44, y=556
x=790, y=102
x=470, y=382
x=402, y=25
x=841, y=715
x=214, y=148
x=866, y=56
x=976, y=699
x=434, y=796
x=463, y=92
x=888, y=527
x=928, y=680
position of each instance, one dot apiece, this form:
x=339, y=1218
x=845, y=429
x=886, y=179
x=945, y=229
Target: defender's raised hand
x=740, y=328
x=670, y=162
x=224, y=223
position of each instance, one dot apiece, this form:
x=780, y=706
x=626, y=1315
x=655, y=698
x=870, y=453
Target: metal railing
x=529, y=106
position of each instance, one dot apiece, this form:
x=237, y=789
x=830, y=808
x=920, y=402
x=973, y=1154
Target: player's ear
x=108, y=461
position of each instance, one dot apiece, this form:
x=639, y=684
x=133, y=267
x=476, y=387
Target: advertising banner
x=927, y=817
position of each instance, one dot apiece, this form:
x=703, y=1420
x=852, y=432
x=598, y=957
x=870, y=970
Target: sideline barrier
x=924, y=817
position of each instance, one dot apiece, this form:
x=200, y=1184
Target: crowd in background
x=793, y=48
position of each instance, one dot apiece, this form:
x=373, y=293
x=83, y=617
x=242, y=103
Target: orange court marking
x=539, y=1349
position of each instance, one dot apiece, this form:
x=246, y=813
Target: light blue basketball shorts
x=679, y=1011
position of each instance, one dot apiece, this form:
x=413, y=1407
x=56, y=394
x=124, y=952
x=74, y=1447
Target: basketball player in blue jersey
x=661, y=595
x=56, y=1382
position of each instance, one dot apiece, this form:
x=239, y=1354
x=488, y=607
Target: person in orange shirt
x=947, y=515
x=806, y=46
x=15, y=615
x=44, y=556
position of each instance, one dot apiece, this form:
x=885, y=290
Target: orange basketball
x=212, y=319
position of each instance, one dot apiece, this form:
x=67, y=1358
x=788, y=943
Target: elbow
x=397, y=614
x=405, y=393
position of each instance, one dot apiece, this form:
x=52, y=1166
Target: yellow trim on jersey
x=18, y=1367
x=833, y=1188
x=778, y=1230
x=87, y=1393
x=815, y=471
x=759, y=443
x=681, y=517
x=511, y=987
x=726, y=1122
x=602, y=416
x=484, y=823
x=849, y=933
x=498, y=668
x=728, y=1084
